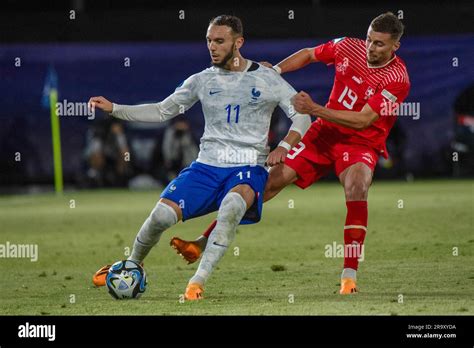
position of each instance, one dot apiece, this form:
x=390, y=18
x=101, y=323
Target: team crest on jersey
x=342, y=66
x=369, y=92
x=255, y=95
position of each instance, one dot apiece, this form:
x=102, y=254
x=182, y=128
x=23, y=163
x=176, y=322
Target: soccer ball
x=126, y=279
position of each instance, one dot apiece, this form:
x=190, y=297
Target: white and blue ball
x=126, y=279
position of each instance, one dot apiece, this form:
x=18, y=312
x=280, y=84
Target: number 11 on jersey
x=241, y=175
x=237, y=111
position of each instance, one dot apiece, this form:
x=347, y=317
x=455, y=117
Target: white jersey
x=237, y=108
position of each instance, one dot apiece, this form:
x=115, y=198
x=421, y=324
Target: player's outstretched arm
x=183, y=98
x=158, y=112
x=296, y=61
x=101, y=103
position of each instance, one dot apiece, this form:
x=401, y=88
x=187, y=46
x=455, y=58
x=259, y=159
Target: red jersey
x=355, y=84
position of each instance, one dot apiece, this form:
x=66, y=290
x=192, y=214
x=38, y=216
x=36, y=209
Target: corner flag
x=49, y=99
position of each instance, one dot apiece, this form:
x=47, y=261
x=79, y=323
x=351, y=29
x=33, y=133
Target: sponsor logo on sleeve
x=389, y=96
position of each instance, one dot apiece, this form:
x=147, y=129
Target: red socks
x=354, y=232
x=209, y=229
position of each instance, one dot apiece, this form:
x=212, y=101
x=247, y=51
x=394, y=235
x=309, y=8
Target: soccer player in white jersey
x=238, y=98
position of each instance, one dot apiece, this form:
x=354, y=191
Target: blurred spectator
x=463, y=143
x=394, y=166
x=158, y=170
x=179, y=149
x=107, y=154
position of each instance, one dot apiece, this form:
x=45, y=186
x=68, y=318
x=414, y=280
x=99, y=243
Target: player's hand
x=303, y=103
x=267, y=64
x=277, y=156
x=101, y=103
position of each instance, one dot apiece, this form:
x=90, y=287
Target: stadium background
x=87, y=55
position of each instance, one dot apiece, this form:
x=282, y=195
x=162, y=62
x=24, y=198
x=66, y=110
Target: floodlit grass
x=276, y=267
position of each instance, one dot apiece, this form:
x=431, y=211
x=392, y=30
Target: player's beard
x=373, y=60
x=226, y=59
x=377, y=60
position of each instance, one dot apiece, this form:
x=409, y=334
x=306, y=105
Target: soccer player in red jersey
x=350, y=132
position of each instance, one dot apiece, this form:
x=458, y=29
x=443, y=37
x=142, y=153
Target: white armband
x=277, y=69
x=285, y=145
x=300, y=123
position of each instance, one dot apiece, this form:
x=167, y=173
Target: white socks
x=349, y=273
x=161, y=218
x=231, y=211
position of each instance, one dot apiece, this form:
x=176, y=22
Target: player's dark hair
x=388, y=23
x=232, y=22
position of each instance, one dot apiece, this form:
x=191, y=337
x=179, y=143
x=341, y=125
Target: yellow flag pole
x=56, y=138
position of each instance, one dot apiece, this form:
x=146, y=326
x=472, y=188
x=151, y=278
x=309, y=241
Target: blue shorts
x=200, y=188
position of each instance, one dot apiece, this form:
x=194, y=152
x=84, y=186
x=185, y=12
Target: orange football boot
x=348, y=286
x=99, y=277
x=194, y=292
x=190, y=251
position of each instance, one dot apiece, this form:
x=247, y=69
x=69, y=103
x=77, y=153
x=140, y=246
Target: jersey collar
x=249, y=65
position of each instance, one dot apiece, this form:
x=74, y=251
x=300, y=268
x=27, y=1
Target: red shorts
x=320, y=152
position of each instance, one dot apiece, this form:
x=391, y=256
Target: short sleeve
x=326, y=53
x=284, y=92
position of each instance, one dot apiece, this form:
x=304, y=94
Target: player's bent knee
x=232, y=207
x=247, y=193
x=356, y=191
x=161, y=218
x=280, y=176
x=174, y=206
x=163, y=215
x=356, y=181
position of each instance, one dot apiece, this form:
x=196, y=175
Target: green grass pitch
x=418, y=258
